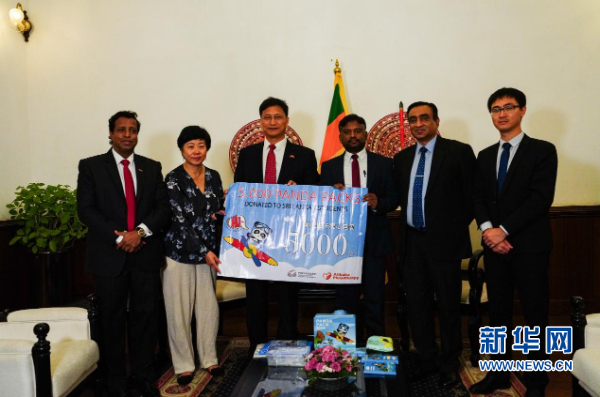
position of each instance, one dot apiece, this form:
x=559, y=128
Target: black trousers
x=257, y=304
x=423, y=277
x=528, y=275
x=373, y=290
x=139, y=288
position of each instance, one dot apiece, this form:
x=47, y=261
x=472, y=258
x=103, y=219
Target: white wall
x=212, y=62
x=15, y=146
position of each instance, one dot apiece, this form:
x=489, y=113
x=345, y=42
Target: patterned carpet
x=428, y=387
x=232, y=354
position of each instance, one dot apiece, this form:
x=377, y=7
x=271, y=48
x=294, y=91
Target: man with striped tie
x=435, y=182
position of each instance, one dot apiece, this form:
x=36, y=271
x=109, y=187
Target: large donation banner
x=294, y=233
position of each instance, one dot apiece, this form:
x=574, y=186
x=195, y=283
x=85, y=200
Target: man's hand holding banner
x=294, y=233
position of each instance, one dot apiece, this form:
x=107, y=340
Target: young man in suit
x=274, y=161
x=122, y=199
x=514, y=190
x=357, y=167
x=435, y=183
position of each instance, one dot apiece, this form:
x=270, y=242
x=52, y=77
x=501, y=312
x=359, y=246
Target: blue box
x=374, y=369
x=337, y=330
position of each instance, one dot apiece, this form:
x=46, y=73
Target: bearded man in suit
x=357, y=167
x=275, y=160
x=122, y=199
x=514, y=190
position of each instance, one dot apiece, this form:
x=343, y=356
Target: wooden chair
x=64, y=355
x=230, y=295
x=586, y=350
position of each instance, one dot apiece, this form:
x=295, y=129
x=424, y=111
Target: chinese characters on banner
x=294, y=233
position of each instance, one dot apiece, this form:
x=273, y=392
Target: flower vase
x=331, y=384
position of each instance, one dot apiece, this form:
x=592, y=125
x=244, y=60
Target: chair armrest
x=592, y=331
x=474, y=272
x=17, y=331
x=49, y=314
x=17, y=375
x=66, y=323
x=15, y=346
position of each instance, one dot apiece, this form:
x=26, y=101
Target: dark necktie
x=355, y=171
x=417, y=207
x=503, y=168
x=129, y=195
x=270, y=169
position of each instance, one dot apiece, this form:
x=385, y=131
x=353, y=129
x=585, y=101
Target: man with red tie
x=274, y=161
x=359, y=168
x=122, y=199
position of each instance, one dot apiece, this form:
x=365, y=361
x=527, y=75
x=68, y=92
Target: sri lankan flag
x=339, y=109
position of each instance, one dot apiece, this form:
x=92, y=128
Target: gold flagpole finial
x=337, y=69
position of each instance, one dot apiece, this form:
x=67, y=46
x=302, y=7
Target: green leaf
x=52, y=245
x=55, y=232
x=14, y=240
x=40, y=242
x=13, y=212
x=34, y=249
x=20, y=232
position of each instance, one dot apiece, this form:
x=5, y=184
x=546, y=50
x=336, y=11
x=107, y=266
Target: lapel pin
x=140, y=170
x=292, y=156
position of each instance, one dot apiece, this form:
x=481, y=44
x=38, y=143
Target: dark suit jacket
x=378, y=239
x=299, y=165
x=522, y=207
x=102, y=208
x=448, y=200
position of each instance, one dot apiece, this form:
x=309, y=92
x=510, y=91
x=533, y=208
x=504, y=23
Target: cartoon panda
x=259, y=233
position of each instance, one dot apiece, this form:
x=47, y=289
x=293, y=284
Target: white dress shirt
x=131, y=167
x=279, y=152
x=430, y=146
x=514, y=143
x=362, y=167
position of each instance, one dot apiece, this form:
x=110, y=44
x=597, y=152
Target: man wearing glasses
x=513, y=192
x=274, y=161
x=435, y=181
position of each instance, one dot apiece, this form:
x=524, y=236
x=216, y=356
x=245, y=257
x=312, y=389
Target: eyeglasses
x=507, y=108
x=277, y=117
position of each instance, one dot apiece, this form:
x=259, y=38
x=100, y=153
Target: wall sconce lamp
x=20, y=21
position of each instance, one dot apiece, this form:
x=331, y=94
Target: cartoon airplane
x=340, y=333
x=339, y=337
x=248, y=245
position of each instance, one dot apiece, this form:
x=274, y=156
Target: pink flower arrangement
x=329, y=362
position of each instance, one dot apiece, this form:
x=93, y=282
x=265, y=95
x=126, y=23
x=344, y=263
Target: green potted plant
x=49, y=228
x=49, y=217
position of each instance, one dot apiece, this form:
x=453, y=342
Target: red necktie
x=270, y=169
x=129, y=195
x=355, y=171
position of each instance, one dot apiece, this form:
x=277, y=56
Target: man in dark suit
x=122, y=199
x=514, y=190
x=274, y=161
x=435, y=183
x=359, y=168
